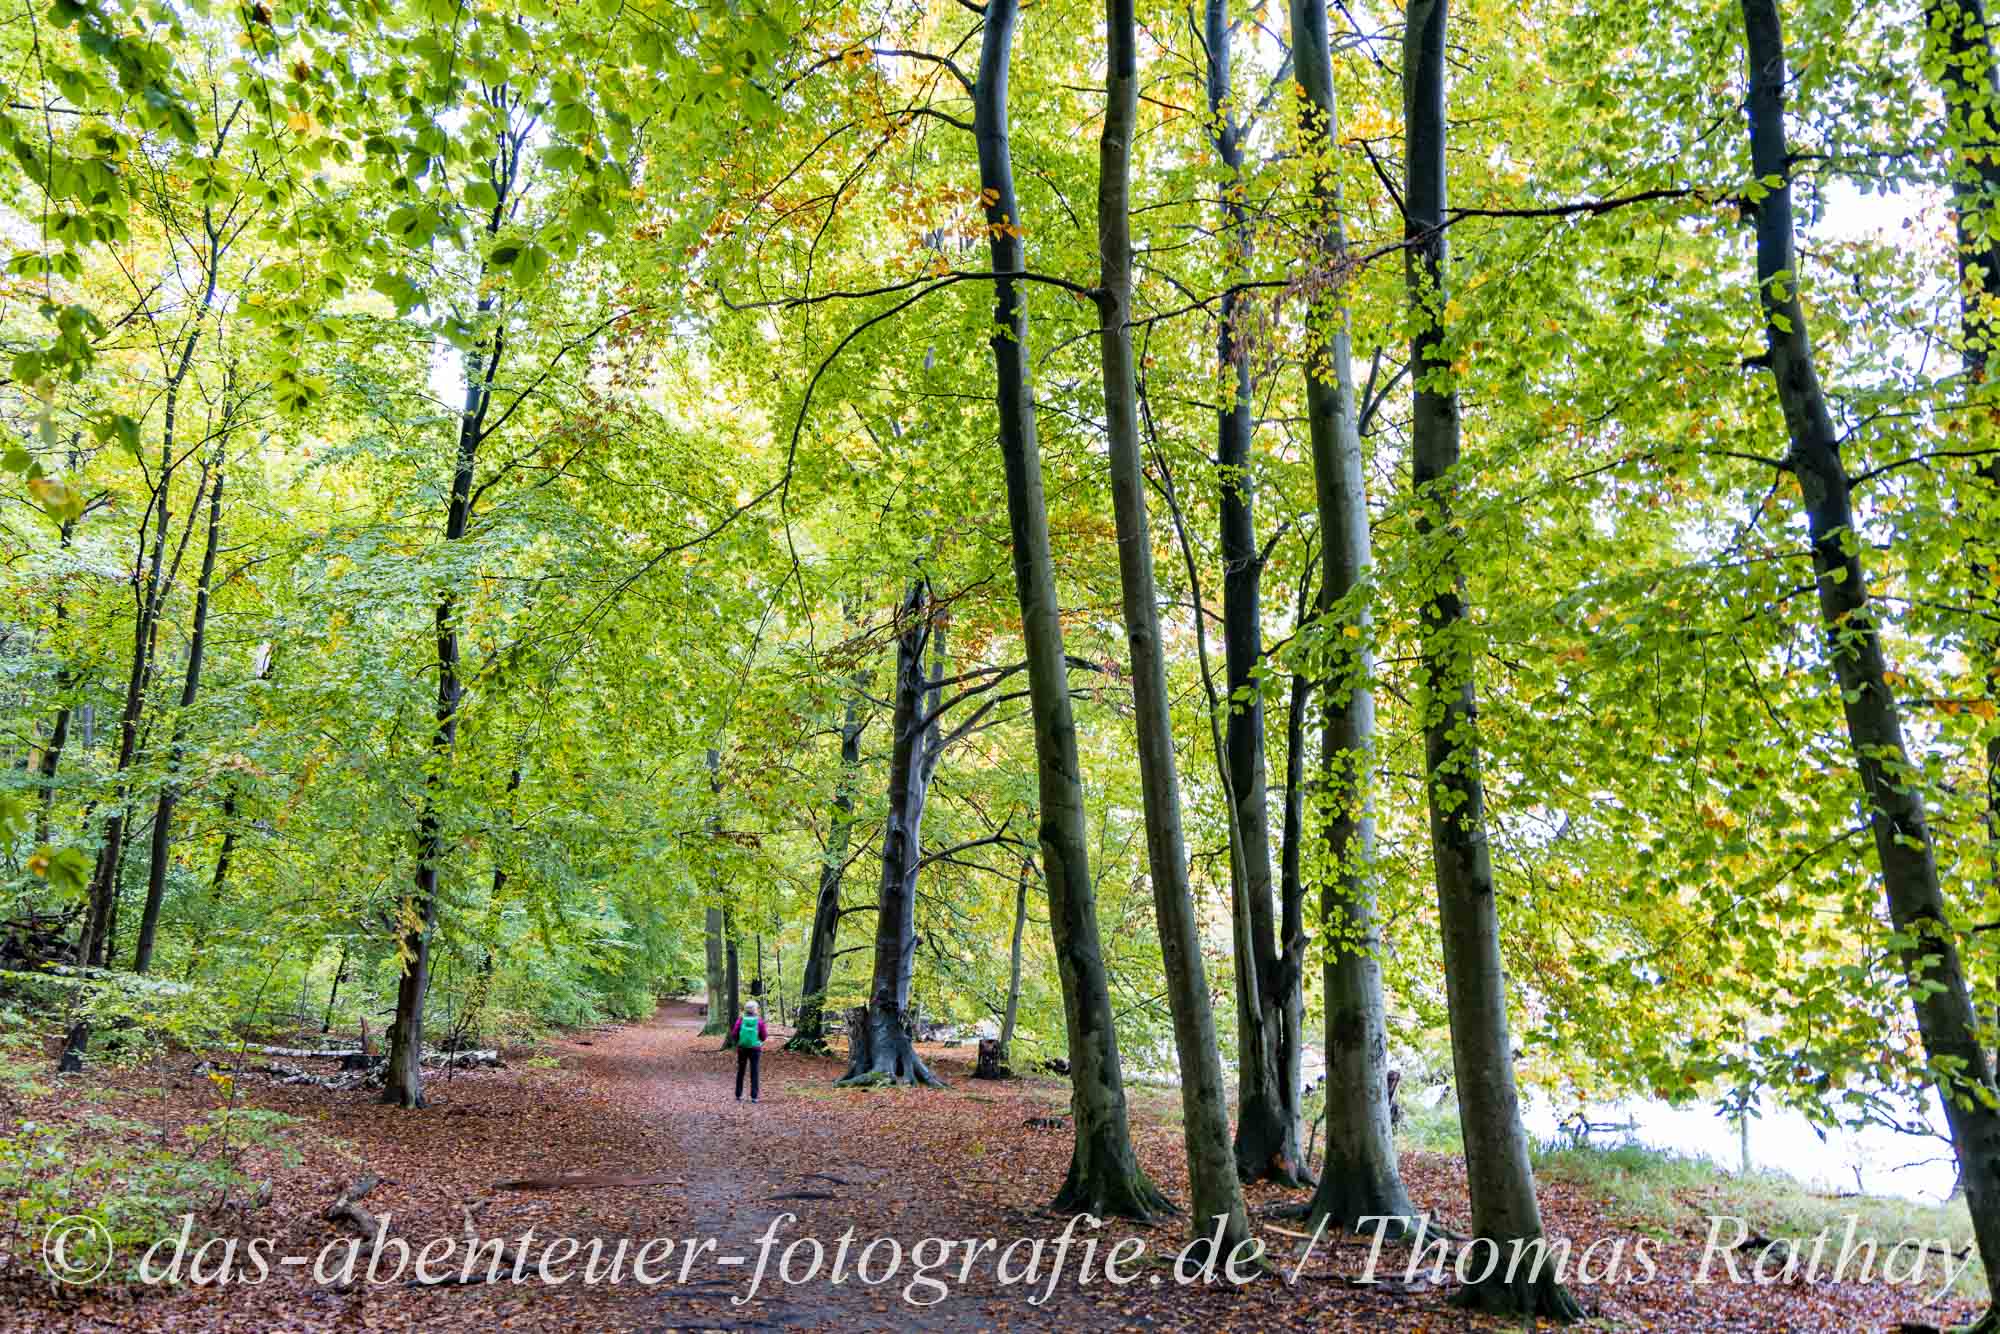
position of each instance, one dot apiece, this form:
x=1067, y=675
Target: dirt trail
x=743, y=1165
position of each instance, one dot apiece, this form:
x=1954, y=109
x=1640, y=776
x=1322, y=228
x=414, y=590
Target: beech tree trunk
x=715, y=979
x=1104, y=1176
x=1961, y=49
x=404, y=1085
x=1217, y=1197
x=1359, y=1177
x=1005, y=1054
x=163, y=809
x=1496, y=1146
x=809, y=1034
x=881, y=1050
x=732, y=980
x=1891, y=785
x=1267, y=1103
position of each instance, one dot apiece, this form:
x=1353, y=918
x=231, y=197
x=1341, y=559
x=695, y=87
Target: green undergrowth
x=92, y=1180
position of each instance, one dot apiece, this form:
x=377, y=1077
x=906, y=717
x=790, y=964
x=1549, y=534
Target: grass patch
x=1671, y=1195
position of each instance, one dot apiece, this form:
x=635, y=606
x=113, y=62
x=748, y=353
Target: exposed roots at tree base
x=1279, y=1172
x=1125, y=1194
x=913, y=1073
x=880, y=1051
x=1353, y=1189
x=1541, y=1297
x=396, y=1097
x=1398, y=1220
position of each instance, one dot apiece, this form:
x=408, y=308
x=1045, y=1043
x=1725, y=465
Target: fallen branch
x=583, y=1182
x=347, y=1209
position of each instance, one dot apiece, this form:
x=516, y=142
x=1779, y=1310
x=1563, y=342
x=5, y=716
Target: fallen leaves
x=639, y=1139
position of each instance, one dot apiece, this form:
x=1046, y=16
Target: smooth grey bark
x=1891, y=785
x=1104, y=1176
x=163, y=807
x=1359, y=1177
x=404, y=1084
x=1268, y=1065
x=809, y=1034
x=1013, y=1008
x=1217, y=1196
x=713, y=979
x=1502, y=1183
x=880, y=1048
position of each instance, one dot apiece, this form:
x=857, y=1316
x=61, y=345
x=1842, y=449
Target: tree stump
x=992, y=1061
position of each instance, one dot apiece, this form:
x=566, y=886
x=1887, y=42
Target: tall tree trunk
x=1359, y=1178
x=1890, y=783
x=881, y=1048
x=102, y=896
x=1961, y=50
x=1104, y=1176
x=404, y=1085
x=1267, y=1104
x=723, y=1018
x=163, y=809
x=1013, y=1010
x=1502, y=1183
x=809, y=1034
x=718, y=1021
x=1217, y=1198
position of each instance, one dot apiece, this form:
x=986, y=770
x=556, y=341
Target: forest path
x=744, y=1165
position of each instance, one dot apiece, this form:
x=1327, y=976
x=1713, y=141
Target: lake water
x=1873, y=1160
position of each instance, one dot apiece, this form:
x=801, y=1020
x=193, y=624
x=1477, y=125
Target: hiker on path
x=749, y=1046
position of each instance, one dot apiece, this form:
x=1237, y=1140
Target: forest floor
x=653, y=1104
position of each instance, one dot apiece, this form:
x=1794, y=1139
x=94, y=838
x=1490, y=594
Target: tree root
x=1127, y=1194
x=1539, y=1297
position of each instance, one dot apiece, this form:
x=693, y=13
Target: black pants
x=747, y=1057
